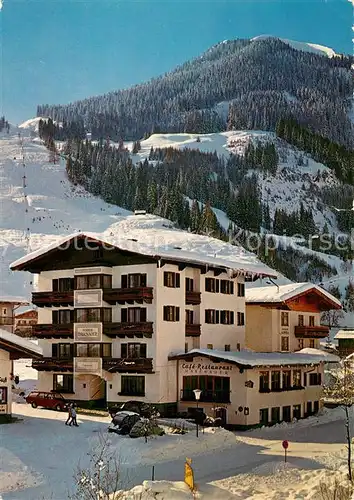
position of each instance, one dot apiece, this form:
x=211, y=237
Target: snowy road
x=38, y=455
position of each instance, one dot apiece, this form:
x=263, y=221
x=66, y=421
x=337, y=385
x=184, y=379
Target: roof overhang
x=17, y=352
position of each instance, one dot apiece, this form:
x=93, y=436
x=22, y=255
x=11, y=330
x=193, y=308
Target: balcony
x=193, y=298
x=53, y=364
x=131, y=365
x=306, y=332
x=50, y=299
x=206, y=396
x=192, y=330
x=144, y=329
x=129, y=295
x=53, y=331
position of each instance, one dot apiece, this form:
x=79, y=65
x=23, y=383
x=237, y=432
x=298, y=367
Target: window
x=211, y=316
x=171, y=280
x=94, y=350
x=264, y=382
x=227, y=347
x=284, y=319
x=301, y=343
x=171, y=313
x=311, y=320
x=92, y=281
x=196, y=342
x=301, y=320
x=264, y=416
x=285, y=343
x=132, y=385
x=4, y=312
x=106, y=281
x=211, y=285
x=63, y=383
x=106, y=350
x=315, y=379
x=240, y=289
x=93, y=315
x=62, y=285
x=62, y=317
x=133, y=315
x=227, y=287
x=214, y=389
x=275, y=376
x=316, y=406
x=66, y=351
x=133, y=350
x=297, y=411
x=54, y=350
x=312, y=343
x=209, y=346
x=309, y=408
x=297, y=378
x=189, y=285
x=287, y=379
x=133, y=280
x=286, y=413
x=240, y=318
x=275, y=415
x=227, y=317
x=189, y=317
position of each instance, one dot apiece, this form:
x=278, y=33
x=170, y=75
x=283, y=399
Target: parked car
x=53, y=400
x=145, y=410
x=123, y=422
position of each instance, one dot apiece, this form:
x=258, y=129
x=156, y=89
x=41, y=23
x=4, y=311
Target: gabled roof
x=284, y=293
x=164, y=243
x=18, y=346
x=29, y=313
x=10, y=299
x=344, y=334
x=251, y=359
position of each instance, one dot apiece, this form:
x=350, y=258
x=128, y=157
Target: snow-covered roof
x=11, y=299
x=21, y=344
x=282, y=293
x=344, y=334
x=327, y=356
x=27, y=312
x=252, y=359
x=155, y=237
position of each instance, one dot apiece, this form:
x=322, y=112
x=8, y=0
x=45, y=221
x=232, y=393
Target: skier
x=69, y=415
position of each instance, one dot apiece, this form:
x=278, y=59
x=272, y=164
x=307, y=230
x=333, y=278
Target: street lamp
x=197, y=393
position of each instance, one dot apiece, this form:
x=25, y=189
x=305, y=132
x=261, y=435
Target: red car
x=53, y=400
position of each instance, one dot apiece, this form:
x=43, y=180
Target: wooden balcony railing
x=193, y=298
x=53, y=364
x=125, y=329
x=129, y=295
x=42, y=299
x=131, y=365
x=53, y=331
x=192, y=330
x=206, y=396
x=317, y=331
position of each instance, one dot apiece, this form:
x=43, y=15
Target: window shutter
x=124, y=281
x=232, y=317
x=143, y=350
x=124, y=315
x=231, y=287
x=55, y=285
x=206, y=315
x=165, y=278
x=222, y=317
x=319, y=379
x=305, y=380
x=72, y=318
x=165, y=313
x=217, y=286
x=55, y=317
x=54, y=350
x=123, y=350
x=178, y=280
x=217, y=316
x=143, y=314
x=143, y=280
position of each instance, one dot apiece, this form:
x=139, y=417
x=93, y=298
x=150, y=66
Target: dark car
x=52, y=400
x=123, y=422
x=145, y=410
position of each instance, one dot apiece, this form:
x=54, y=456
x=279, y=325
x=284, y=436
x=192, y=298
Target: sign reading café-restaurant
x=206, y=368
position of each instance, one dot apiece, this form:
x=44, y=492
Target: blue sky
x=57, y=51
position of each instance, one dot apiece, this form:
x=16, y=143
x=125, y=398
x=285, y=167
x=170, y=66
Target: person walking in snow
x=69, y=415
x=73, y=416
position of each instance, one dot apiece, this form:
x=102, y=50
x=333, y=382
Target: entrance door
x=221, y=413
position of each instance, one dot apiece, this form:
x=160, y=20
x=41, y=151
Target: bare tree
x=331, y=319
x=341, y=391
x=335, y=490
x=100, y=479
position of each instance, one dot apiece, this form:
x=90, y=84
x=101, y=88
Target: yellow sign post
x=188, y=474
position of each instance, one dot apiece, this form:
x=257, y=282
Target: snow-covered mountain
x=40, y=206
x=304, y=46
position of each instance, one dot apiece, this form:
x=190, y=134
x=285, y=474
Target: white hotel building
x=124, y=321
